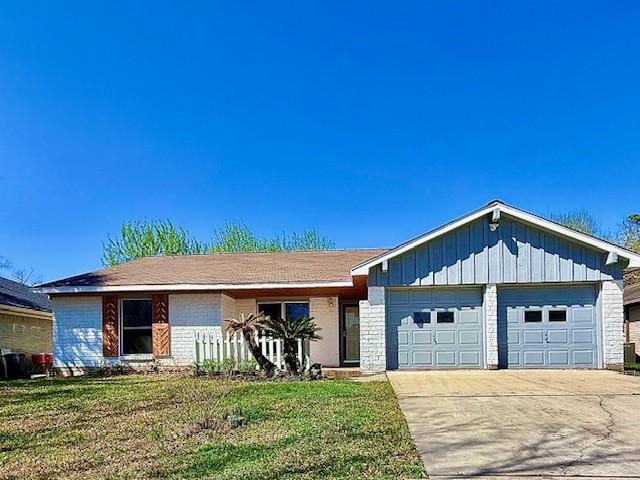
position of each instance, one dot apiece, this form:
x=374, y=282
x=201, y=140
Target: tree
x=139, y=238
x=580, y=220
x=22, y=275
x=160, y=237
x=249, y=326
x=290, y=330
x=630, y=233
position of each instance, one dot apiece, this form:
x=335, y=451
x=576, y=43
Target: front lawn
x=161, y=426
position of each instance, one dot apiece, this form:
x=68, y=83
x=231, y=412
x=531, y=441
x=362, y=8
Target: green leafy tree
x=290, y=330
x=630, y=233
x=142, y=238
x=580, y=220
x=138, y=239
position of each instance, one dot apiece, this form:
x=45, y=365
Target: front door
x=350, y=334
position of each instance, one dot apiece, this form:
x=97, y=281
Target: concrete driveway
x=523, y=424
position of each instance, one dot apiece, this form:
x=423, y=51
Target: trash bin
x=16, y=366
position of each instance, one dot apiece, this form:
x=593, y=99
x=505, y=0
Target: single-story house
x=632, y=308
x=496, y=288
x=25, y=319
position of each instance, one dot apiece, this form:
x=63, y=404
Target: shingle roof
x=14, y=294
x=226, y=268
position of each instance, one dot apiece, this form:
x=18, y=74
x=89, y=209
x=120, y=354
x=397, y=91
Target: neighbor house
x=497, y=288
x=632, y=308
x=25, y=319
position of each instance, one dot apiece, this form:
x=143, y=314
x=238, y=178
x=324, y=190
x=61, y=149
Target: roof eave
x=191, y=287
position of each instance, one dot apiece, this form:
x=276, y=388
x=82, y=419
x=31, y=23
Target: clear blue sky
x=371, y=123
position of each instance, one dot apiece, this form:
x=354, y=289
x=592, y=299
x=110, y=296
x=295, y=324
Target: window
x=445, y=317
x=421, y=317
x=294, y=310
x=557, y=315
x=533, y=315
x=136, y=327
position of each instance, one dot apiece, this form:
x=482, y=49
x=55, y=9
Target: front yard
x=161, y=426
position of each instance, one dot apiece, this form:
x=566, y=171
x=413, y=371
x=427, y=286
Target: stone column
x=612, y=324
x=490, y=301
x=373, y=347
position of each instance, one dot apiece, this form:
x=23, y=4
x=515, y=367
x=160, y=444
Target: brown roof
x=226, y=268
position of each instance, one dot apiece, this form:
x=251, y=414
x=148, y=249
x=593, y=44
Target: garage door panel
x=559, y=358
x=423, y=359
x=582, y=336
x=583, y=357
x=470, y=359
x=469, y=317
x=582, y=315
x=548, y=341
x=514, y=358
x=533, y=358
x=558, y=336
x=469, y=337
x=446, y=337
x=414, y=342
x=532, y=337
x=446, y=358
x=421, y=337
x=403, y=359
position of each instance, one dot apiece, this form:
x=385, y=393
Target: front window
x=294, y=310
x=136, y=327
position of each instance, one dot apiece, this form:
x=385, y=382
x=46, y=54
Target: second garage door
x=548, y=327
x=435, y=328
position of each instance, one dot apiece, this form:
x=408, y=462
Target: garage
x=548, y=327
x=433, y=328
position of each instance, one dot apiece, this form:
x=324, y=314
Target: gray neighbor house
x=496, y=288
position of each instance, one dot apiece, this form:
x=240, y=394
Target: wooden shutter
x=160, y=325
x=110, y=326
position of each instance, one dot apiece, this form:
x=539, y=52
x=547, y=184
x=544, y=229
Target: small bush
x=247, y=366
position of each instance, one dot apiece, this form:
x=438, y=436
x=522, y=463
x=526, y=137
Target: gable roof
x=18, y=295
x=597, y=243
x=221, y=271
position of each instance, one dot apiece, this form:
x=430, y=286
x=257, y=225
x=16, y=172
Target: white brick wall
x=190, y=313
x=77, y=331
x=373, y=348
x=612, y=323
x=490, y=302
x=325, y=312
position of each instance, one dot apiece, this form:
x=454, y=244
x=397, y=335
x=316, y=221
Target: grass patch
x=632, y=366
x=172, y=427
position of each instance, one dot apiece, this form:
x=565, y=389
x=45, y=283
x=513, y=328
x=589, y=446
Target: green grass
x=181, y=427
x=632, y=366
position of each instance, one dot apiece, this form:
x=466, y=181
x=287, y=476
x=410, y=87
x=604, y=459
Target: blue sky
x=370, y=122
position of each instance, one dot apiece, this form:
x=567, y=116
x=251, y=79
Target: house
x=496, y=288
x=632, y=308
x=25, y=319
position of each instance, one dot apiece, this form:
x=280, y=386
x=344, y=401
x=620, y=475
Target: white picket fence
x=218, y=345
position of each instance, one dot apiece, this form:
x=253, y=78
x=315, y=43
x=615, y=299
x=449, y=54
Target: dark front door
x=350, y=334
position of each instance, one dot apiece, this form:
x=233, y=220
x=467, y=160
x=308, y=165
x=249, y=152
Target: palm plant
x=290, y=330
x=249, y=326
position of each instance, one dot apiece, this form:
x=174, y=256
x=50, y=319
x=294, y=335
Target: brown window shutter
x=110, y=326
x=160, y=325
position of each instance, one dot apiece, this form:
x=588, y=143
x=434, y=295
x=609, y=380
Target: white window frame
x=121, y=329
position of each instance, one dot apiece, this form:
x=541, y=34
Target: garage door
x=548, y=327
x=434, y=328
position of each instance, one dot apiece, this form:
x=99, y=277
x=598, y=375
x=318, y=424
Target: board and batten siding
x=514, y=253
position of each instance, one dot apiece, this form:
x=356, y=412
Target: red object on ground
x=48, y=359
x=38, y=359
